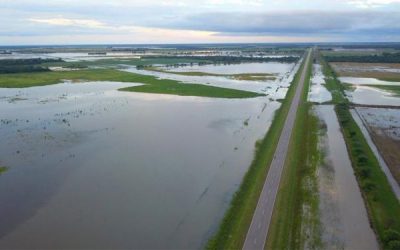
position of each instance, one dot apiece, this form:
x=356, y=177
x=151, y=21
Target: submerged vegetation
x=382, y=205
x=233, y=228
x=242, y=76
x=151, y=84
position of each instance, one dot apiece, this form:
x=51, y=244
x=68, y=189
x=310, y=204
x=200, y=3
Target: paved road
x=257, y=234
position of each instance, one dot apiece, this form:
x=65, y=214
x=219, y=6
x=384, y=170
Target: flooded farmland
x=372, y=96
x=344, y=219
x=318, y=92
x=112, y=169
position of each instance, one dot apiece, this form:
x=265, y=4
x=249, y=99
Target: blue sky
x=195, y=21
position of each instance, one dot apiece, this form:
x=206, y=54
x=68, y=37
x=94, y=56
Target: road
x=257, y=234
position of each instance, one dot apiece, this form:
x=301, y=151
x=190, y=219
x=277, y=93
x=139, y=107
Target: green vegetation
x=8, y=66
x=3, y=169
x=151, y=83
x=233, y=228
x=242, y=76
x=297, y=201
x=382, y=205
x=377, y=58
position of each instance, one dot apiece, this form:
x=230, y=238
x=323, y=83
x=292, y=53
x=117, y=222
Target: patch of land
x=3, y=169
x=151, y=84
x=381, y=71
x=243, y=76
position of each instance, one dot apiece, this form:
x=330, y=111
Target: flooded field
x=383, y=125
x=99, y=166
x=366, y=81
x=275, y=89
x=344, y=67
x=344, y=218
x=372, y=96
x=318, y=92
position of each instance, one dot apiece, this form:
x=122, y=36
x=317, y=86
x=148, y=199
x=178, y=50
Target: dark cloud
x=291, y=23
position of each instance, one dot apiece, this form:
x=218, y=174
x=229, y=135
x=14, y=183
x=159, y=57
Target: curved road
x=257, y=234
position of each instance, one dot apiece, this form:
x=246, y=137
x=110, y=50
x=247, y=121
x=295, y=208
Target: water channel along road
x=257, y=234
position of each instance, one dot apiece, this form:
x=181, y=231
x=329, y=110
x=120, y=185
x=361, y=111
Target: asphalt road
x=257, y=234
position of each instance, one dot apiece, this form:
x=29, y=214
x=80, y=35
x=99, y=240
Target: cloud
x=86, y=23
x=371, y=3
x=291, y=23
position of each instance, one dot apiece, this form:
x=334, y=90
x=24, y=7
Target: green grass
x=382, y=205
x=151, y=84
x=298, y=184
x=242, y=76
x=395, y=90
x=3, y=169
x=234, y=226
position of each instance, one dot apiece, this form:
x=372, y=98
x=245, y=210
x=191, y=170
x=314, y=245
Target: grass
x=234, y=226
x=382, y=205
x=297, y=189
x=242, y=76
x=3, y=169
x=151, y=84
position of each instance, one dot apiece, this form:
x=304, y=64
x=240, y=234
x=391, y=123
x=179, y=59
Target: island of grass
x=3, y=169
x=242, y=76
x=151, y=84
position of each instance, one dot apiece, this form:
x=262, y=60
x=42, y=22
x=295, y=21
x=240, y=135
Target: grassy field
x=233, y=228
x=151, y=84
x=298, y=185
x=243, y=76
x=382, y=205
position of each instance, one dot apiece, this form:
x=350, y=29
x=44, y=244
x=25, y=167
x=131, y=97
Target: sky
x=34, y=22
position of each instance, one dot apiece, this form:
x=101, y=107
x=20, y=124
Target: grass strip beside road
x=151, y=84
x=300, y=164
x=235, y=224
x=382, y=204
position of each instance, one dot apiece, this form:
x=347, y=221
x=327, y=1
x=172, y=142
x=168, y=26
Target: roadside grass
x=151, y=84
x=235, y=224
x=382, y=205
x=298, y=187
x=242, y=76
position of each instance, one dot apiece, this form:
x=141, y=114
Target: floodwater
x=318, y=92
x=343, y=214
x=69, y=56
x=93, y=167
x=382, y=119
x=274, y=89
x=366, y=81
x=372, y=96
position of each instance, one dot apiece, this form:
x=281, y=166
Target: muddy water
x=92, y=167
x=343, y=214
x=372, y=96
x=318, y=92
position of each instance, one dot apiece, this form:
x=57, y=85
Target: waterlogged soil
x=383, y=125
x=274, y=89
x=318, y=92
x=343, y=215
x=372, y=96
x=93, y=167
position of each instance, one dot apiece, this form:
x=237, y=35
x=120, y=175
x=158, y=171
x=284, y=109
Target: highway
x=258, y=230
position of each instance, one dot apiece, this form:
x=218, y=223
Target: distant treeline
x=25, y=65
x=382, y=58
